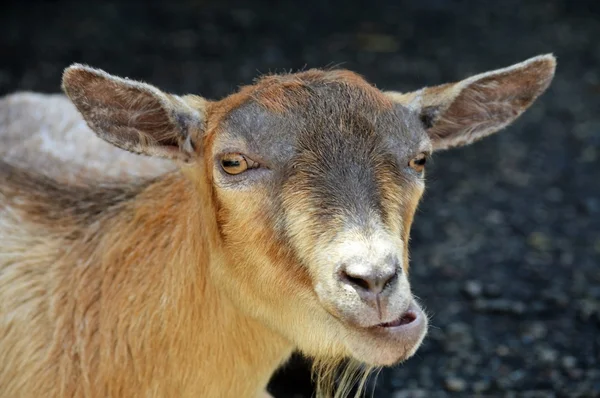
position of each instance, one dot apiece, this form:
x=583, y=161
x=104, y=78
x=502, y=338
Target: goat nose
x=368, y=280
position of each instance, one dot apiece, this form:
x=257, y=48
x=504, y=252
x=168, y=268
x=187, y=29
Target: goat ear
x=135, y=116
x=458, y=114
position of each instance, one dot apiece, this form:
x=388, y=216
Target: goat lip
x=385, y=344
x=411, y=318
x=405, y=320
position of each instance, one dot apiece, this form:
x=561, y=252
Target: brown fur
x=107, y=353
x=196, y=283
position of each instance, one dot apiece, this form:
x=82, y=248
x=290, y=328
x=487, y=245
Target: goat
x=284, y=227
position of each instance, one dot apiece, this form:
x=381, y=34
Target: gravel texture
x=506, y=244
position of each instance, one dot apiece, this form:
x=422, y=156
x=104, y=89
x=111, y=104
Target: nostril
x=356, y=281
x=391, y=280
x=373, y=282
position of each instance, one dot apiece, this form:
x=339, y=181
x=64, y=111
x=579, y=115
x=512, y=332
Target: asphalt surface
x=506, y=244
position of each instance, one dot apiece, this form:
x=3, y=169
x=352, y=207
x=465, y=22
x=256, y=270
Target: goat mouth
x=412, y=318
x=388, y=343
x=406, y=319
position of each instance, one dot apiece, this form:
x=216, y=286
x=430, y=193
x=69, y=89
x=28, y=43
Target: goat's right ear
x=460, y=113
x=135, y=116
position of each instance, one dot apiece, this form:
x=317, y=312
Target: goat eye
x=418, y=163
x=234, y=163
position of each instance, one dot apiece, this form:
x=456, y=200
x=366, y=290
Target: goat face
x=319, y=197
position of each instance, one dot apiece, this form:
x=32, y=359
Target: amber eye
x=234, y=163
x=418, y=163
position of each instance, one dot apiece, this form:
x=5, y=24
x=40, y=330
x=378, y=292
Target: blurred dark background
x=506, y=244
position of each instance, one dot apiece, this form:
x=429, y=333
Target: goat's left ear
x=136, y=116
x=457, y=114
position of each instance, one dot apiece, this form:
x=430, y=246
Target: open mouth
x=407, y=318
